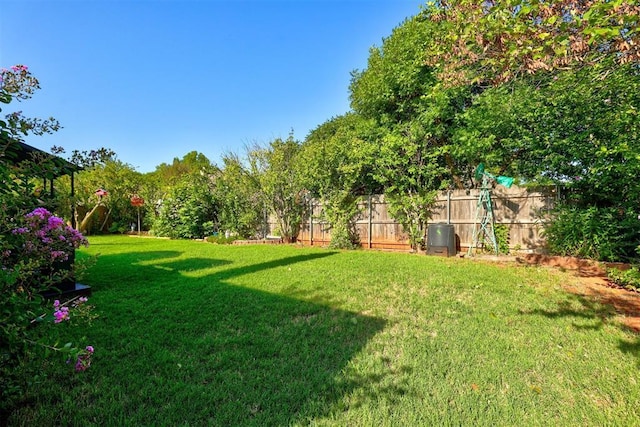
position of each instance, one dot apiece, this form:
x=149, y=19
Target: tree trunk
x=82, y=227
x=106, y=218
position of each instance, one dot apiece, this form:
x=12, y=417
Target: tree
x=416, y=118
x=120, y=181
x=241, y=205
x=576, y=131
x=280, y=183
x=336, y=165
x=189, y=209
x=497, y=41
x=391, y=89
x=573, y=130
x=192, y=163
x=88, y=159
x=18, y=84
x=403, y=94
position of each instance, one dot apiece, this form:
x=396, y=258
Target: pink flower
x=59, y=255
x=80, y=301
x=84, y=360
x=61, y=314
x=82, y=364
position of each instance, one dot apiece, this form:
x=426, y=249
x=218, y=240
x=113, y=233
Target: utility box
x=441, y=239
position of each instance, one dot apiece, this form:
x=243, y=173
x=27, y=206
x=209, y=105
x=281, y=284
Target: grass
x=192, y=333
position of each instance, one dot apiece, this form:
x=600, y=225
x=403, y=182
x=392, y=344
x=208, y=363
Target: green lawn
x=192, y=333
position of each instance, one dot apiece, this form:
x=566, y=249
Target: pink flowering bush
x=65, y=312
x=39, y=244
x=37, y=250
x=47, y=234
x=32, y=245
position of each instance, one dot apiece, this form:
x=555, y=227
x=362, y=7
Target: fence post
x=311, y=222
x=448, y=206
x=265, y=228
x=370, y=242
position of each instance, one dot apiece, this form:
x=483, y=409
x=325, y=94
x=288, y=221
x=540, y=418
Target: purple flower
x=82, y=364
x=59, y=255
x=41, y=213
x=54, y=222
x=60, y=316
x=61, y=313
x=84, y=360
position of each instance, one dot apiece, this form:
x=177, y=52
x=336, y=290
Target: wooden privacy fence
x=518, y=208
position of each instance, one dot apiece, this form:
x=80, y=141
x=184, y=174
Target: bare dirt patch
x=593, y=284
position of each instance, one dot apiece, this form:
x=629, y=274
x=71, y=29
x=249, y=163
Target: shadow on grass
x=589, y=314
x=153, y=255
x=584, y=312
x=631, y=347
x=280, y=262
x=197, y=354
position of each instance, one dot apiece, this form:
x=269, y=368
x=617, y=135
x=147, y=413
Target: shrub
x=629, y=279
x=118, y=227
x=604, y=234
x=502, y=239
x=413, y=210
x=343, y=238
x=32, y=242
x=189, y=211
x=31, y=246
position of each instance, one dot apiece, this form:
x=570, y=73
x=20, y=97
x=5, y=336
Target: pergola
x=18, y=152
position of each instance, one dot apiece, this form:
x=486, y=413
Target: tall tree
x=497, y=41
x=337, y=165
x=192, y=163
x=573, y=129
x=119, y=181
x=242, y=208
x=281, y=184
x=416, y=116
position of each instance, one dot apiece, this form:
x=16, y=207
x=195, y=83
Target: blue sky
x=153, y=80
